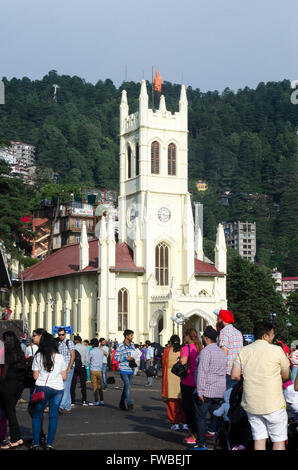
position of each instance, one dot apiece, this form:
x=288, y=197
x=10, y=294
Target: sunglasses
x=61, y=335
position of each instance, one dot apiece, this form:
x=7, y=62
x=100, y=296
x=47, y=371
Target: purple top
x=190, y=378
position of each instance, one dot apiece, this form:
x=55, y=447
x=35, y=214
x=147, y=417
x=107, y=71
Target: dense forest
x=243, y=143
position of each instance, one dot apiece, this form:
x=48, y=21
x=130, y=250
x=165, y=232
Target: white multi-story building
x=20, y=157
x=242, y=237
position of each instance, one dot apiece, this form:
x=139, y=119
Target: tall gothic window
x=137, y=159
x=155, y=158
x=162, y=264
x=172, y=159
x=129, y=161
x=122, y=309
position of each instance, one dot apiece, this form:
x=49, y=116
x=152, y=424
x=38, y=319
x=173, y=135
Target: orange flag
x=157, y=81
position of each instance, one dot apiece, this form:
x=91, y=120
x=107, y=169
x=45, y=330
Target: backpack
x=78, y=360
x=29, y=381
x=158, y=349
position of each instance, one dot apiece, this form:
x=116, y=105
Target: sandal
x=9, y=445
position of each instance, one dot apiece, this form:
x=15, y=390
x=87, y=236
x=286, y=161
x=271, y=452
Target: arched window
x=155, y=158
x=162, y=264
x=172, y=159
x=122, y=309
x=137, y=159
x=129, y=161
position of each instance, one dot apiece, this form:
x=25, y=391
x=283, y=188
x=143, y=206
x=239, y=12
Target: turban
x=226, y=316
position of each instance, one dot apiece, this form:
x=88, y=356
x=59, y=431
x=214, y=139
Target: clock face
x=164, y=214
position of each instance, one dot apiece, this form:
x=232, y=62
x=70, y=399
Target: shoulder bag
x=180, y=370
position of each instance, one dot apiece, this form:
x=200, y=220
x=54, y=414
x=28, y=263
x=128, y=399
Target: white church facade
x=156, y=268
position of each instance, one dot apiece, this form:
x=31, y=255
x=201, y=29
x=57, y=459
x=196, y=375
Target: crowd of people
x=214, y=386
x=232, y=389
x=52, y=367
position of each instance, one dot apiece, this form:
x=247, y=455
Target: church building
x=156, y=268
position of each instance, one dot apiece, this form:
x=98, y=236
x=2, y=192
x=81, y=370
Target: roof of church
x=206, y=269
x=65, y=262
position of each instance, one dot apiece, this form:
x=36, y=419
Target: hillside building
x=241, y=236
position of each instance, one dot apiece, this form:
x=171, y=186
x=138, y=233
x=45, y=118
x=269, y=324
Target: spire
x=110, y=228
x=123, y=108
x=143, y=92
x=183, y=105
x=102, y=230
x=143, y=103
x=84, y=248
x=183, y=98
x=199, y=254
x=220, y=250
x=162, y=104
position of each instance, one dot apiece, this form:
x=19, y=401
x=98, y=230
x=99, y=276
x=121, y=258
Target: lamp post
x=24, y=318
x=179, y=319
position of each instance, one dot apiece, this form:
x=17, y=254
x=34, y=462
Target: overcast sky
x=208, y=44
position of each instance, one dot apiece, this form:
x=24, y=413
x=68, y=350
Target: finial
x=162, y=104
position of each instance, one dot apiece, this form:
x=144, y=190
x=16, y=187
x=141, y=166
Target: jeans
x=201, y=409
x=149, y=379
x=66, y=400
x=104, y=375
x=294, y=371
x=54, y=398
x=126, y=379
x=230, y=383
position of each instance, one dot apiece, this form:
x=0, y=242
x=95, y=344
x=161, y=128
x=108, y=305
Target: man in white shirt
x=149, y=354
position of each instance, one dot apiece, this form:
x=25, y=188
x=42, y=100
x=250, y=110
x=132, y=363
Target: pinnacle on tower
x=143, y=92
x=162, y=104
x=220, y=250
x=123, y=107
x=183, y=100
x=110, y=228
x=84, y=248
x=102, y=229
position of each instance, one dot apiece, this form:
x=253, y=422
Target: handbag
x=179, y=369
x=39, y=396
x=132, y=363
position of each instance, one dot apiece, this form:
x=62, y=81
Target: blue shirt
x=121, y=354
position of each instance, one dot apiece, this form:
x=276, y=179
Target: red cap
x=226, y=316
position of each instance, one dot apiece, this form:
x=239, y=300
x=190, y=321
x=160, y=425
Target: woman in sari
x=171, y=392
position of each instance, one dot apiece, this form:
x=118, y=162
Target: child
x=291, y=397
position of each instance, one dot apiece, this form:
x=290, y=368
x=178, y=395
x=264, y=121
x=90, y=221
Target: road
x=108, y=428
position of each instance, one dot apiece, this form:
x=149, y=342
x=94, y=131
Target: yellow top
x=261, y=364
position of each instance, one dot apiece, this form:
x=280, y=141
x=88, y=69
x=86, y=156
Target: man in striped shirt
x=124, y=354
x=230, y=341
x=210, y=385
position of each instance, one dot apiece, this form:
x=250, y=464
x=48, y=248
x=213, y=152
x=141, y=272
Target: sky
x=206, y=44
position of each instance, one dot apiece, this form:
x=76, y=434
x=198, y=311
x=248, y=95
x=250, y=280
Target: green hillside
x=243, y=143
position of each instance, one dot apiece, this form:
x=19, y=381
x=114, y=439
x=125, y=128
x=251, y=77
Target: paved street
x=107, y=428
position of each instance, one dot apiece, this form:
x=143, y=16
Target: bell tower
x=154, y=182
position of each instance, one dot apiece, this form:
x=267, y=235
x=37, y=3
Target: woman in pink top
x=189, y=354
